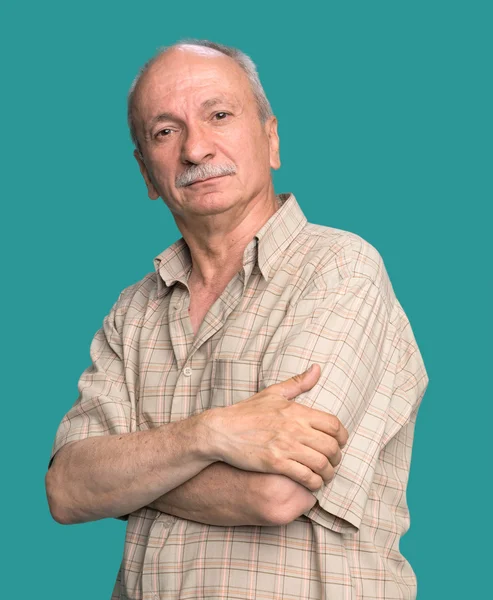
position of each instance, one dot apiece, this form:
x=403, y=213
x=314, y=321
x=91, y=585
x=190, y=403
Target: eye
x=220, y=116
x=163, y=132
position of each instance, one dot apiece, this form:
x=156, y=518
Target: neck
x=217, y=250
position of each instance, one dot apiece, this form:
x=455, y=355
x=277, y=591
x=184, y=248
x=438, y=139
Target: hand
x=281, y=499
x=269, y=433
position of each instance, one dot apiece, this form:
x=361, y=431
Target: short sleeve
x=353, y=330
x=103, y=406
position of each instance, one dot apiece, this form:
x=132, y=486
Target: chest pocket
x=233, y=381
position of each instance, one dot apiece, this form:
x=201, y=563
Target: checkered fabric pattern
x=306, y=293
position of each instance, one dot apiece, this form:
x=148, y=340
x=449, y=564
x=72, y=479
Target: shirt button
x=187, y=371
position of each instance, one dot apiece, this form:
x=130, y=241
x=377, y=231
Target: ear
x=271, y=131
x=151, y=190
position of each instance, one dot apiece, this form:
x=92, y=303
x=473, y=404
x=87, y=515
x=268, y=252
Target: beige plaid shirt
x=307, y=293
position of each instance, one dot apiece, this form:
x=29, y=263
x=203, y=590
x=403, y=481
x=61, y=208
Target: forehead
x=184, y=78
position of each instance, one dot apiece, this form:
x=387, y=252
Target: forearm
x=114, y=475
x=219, y=495
x=224, y=495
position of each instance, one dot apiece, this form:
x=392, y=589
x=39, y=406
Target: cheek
x=259, y=159
x=251, y=151
x=160, y=174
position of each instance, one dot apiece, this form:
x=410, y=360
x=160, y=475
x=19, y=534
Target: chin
x=210, y=202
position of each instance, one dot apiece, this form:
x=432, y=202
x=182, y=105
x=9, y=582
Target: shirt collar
x=268, y=244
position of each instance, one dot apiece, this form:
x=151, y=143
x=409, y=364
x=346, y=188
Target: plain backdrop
x=385, y=123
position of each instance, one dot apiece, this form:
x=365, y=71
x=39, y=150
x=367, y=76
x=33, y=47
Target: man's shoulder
x=138, y=294
x=340, y=255
x=343, y=252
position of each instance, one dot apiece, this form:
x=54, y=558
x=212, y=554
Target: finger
x=298, y=384
x=302, y=475
x=324, y=444
x=315, y=461
x=330, y=425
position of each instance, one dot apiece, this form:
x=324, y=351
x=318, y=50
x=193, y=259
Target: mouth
x=208, y=180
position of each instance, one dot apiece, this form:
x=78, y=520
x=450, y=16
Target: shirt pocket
x=233, y=381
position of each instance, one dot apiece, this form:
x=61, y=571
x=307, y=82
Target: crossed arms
x=241, y=465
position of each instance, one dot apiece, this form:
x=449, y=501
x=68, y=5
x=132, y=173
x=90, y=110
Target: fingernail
x=310, y=369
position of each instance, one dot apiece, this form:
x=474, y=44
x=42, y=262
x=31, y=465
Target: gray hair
x=243, y=61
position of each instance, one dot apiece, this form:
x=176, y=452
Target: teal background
x=385, y=121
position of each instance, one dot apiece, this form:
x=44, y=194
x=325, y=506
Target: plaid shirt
x=307, y=293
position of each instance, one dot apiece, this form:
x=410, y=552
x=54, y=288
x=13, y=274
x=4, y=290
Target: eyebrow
x=214, y=101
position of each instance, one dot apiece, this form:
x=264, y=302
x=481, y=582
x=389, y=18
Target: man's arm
x=227, y=496
x=372, y=379
x=112, y=475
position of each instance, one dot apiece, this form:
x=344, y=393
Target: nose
x=198, y=146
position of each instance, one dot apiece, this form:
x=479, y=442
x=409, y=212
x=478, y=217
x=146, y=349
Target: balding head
x=206, y=49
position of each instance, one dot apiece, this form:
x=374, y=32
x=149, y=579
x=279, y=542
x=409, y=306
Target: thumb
x=294, y=386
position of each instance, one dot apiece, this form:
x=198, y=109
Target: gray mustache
x=204, y=171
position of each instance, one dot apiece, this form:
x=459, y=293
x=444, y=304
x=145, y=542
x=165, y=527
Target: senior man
x=242, y=473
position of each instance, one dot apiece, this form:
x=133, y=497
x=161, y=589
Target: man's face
x=196, y=107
